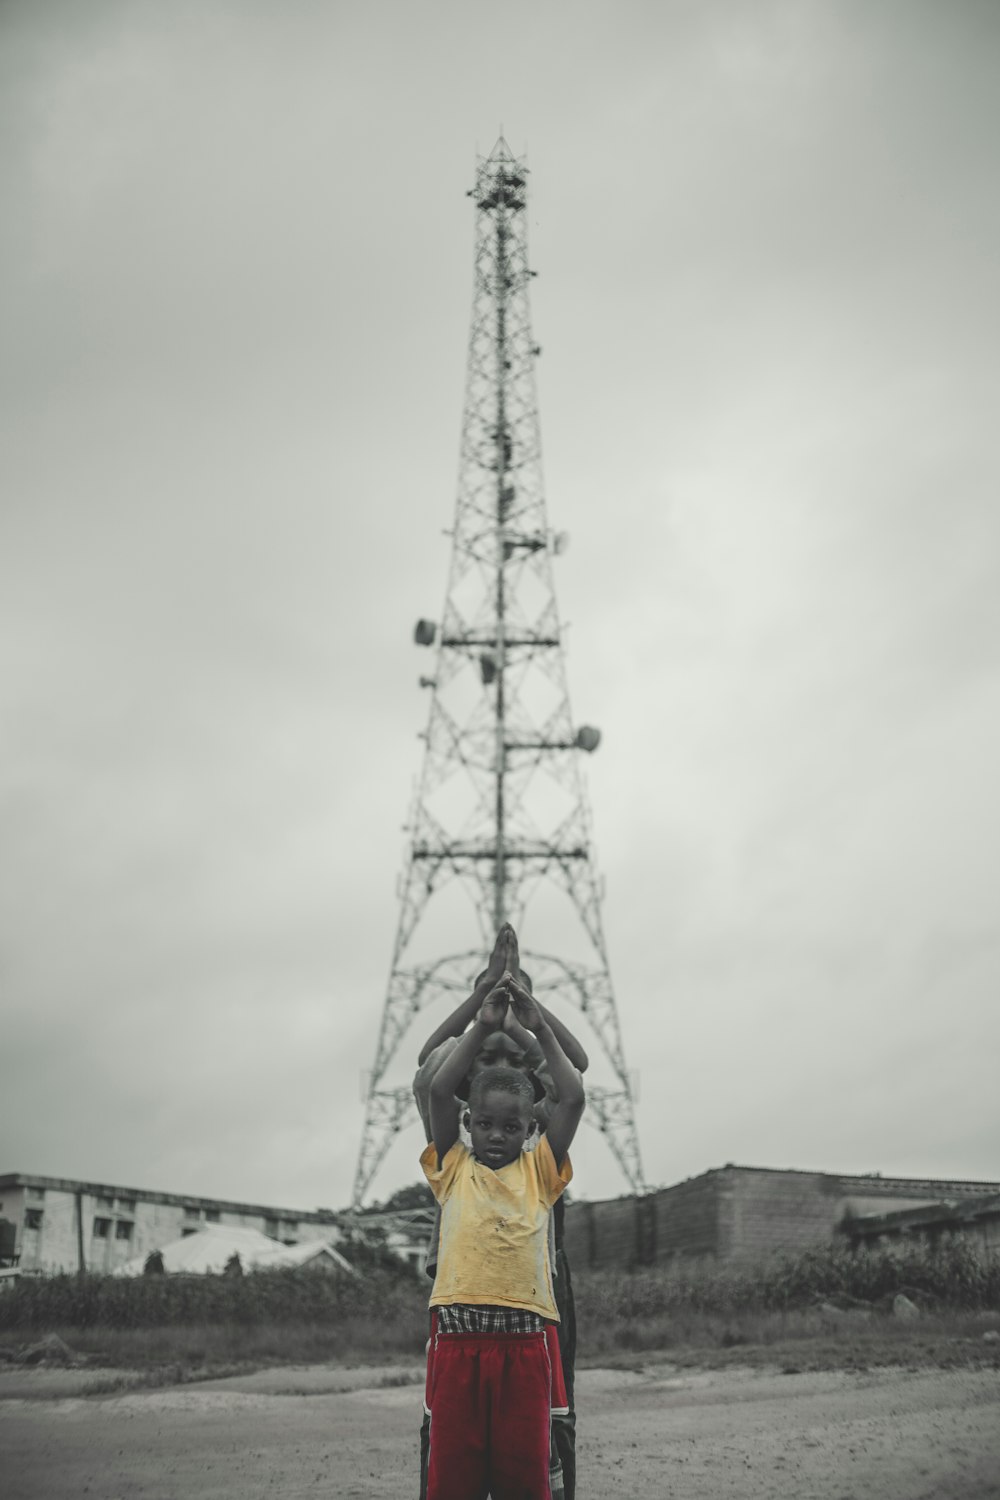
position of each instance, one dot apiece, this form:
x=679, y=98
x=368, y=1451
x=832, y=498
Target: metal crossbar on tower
x=500, y=807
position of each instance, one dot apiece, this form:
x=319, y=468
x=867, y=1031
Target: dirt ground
x=643, y=1435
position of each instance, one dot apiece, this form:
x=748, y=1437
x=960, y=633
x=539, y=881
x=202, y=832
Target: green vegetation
x=821, y=1309
x=260, y=1299
x=414, y=1195
x=951, y=1275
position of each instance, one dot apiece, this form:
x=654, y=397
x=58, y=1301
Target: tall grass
x=829, y=1295
x=283, y=1296
x=951, y=1275
x=295, y=1316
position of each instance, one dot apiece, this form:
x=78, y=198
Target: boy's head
x=500, y=1116
x=500, y=1050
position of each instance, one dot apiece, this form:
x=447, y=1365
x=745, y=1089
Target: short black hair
x=503, y=1080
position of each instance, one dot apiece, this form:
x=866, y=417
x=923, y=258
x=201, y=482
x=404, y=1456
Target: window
x=271, y=1228
x=192, y=1211
x=211, y=1216
x=102, y=1202
x=102, y=1229
x=290, y=1226
x=33, y=1218
x=36, y=1194
x=126, y=1205
x=186, y=1232
x=123, y=1230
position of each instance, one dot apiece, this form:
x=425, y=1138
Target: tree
x=415, y=1195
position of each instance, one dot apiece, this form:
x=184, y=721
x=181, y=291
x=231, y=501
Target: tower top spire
x=501, y=151
x=501, y=179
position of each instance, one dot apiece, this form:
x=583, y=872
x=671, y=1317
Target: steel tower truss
x=500, y=805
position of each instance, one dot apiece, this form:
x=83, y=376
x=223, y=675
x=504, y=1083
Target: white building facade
x=50, y=1224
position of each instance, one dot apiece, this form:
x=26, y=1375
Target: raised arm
x=567, y=1041
x=569, y=1085
x=444, y=1106
x=504, y=949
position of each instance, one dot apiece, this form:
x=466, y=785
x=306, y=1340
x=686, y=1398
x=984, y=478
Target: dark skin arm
x=503, y=957
x=569, y=1108
x=567, y=1041
x=444, y=1105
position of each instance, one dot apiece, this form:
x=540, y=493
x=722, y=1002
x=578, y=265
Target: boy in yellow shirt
x=491, y=1377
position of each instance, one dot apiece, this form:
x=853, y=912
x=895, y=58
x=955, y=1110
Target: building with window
x=50, y=1224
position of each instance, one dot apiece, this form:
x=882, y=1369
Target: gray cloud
x=237, y=267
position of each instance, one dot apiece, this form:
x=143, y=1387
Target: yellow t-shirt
x=494, y=1247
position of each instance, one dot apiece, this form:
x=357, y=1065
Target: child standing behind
x=490, y=1393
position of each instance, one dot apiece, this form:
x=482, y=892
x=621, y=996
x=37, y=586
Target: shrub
x=950, y=1275
x=289, y=1295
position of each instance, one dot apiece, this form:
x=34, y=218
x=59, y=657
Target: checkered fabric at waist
x=464, y=1317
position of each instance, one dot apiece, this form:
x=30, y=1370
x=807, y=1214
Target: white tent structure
x=208, y=1251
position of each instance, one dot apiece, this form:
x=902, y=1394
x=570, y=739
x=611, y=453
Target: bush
x=950, y=1275
x=287, y=1295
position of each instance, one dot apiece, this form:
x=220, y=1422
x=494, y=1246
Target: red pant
x=489, y=1400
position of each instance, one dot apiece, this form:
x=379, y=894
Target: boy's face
x=499, y=1124
x=498, y=1050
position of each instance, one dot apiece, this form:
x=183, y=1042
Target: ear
x=467, y=1120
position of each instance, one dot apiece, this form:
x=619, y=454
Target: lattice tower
x=500, y=806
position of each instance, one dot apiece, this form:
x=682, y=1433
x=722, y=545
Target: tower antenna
x=500, y=807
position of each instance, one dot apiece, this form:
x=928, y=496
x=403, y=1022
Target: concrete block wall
x=630, y=1232
x=601, y=1234
x=763, y=1211
x=740, y=1213
x=688, y=1220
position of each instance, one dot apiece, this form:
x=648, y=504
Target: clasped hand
x=510, y=993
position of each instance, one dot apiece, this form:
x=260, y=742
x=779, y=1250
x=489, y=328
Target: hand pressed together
x=505, y=958
x=524, y=1007
x=494, y=1007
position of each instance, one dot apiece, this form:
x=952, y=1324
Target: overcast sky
x=236, y=272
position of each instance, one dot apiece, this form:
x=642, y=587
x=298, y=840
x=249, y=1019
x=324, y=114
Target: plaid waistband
x=465, y=1317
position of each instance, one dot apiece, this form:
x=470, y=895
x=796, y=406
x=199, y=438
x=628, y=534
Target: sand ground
x=644, y=1435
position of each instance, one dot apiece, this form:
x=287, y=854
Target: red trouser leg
x=457, y=1461
x=522, y=1398
x=490, y=1417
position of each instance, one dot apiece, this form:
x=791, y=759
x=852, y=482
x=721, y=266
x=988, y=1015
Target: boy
x=490, y=1390
x=517, y=1048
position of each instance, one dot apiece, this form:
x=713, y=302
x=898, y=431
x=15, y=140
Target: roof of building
x=945, y=1215
x=873, y=1184
x=208, y=1250
x=11, y=1180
